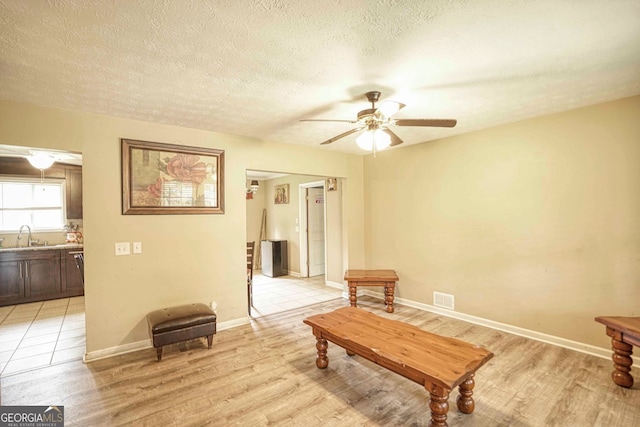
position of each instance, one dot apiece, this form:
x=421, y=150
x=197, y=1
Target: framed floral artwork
x=281, y=194
x=171, y=179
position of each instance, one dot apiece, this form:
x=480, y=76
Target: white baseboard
x=117, y=350
x=232, y=323
x=334, y=284
x=527, y=333
x=144, y=344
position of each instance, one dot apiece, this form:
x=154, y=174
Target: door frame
x=304, y=231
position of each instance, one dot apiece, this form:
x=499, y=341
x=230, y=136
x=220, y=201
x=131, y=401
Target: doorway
x=288, y=221
x=312, y=229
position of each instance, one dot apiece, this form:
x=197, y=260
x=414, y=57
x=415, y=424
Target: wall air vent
x=443, y=300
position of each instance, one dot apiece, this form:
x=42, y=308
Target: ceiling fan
x=376, y=121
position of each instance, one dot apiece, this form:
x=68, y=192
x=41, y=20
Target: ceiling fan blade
x=328, y=120
x=342, y=135
x=395, y=140
x=388, y=108
x=439, y=123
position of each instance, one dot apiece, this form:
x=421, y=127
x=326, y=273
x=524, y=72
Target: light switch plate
x=137, y=247
x=123, y=248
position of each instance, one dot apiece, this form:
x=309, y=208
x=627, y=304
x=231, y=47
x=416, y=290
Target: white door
x=315, y=227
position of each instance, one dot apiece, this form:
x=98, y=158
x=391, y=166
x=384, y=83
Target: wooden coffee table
x=386, y=278
x=624, y=333
x=437, y=363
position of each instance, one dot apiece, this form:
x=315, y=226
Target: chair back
x=250, y=250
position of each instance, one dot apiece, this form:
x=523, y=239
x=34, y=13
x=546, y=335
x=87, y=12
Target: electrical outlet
x=137, y=247
x=123, y=248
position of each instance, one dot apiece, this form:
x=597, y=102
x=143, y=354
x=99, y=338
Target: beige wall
x=185, y=258
x=534, y=224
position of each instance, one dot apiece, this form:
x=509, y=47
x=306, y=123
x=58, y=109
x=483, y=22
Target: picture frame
x=166, y=179
x=281, y=194
x=332, y=184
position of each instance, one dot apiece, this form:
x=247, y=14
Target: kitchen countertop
x=42, y=248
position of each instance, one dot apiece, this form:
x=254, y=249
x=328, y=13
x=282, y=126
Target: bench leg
x=439, y=406
x=159, y=353
x=322, y=361
x=350, y=353
x=210, y=340
x=465, y=401
x=622, y=361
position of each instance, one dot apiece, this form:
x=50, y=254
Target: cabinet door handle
x=20, y=264
x=75, y=252
x=26, y=269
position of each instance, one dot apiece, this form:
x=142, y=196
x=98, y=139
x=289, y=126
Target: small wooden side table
x=624, y=333
x=386, y=278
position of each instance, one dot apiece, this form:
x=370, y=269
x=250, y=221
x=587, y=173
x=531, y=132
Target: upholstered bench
x=182, y=323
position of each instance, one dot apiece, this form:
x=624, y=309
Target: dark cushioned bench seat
x=175, y=324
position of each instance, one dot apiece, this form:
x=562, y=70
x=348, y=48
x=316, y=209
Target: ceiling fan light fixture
x=389, y=108
x=41, y=160
x=377, y=123
x=367, y=140
x=253, y=187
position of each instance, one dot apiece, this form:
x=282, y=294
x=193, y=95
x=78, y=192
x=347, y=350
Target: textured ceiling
x=256, y=67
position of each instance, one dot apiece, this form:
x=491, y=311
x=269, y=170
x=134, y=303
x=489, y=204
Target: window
x=38, y=204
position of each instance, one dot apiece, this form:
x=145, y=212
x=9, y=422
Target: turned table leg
x=465, y=401
x=622, y=362
x=388, y=298
x=439, y=406
x=322, y=361
x=352, y=295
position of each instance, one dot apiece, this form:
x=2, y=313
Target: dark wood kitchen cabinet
x=73, y=179
x=42, y=274
x=11, y=281
x=28, y=276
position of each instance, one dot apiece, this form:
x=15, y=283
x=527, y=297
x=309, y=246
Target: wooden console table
x=624, y=333
x=386, y=278
x=437, y=363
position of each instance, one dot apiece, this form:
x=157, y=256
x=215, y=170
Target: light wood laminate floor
x=265, y=374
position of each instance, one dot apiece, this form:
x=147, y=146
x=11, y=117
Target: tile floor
x=40, y=334
x=277, y=294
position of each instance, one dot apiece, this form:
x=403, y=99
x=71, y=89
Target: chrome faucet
x=20, y=236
